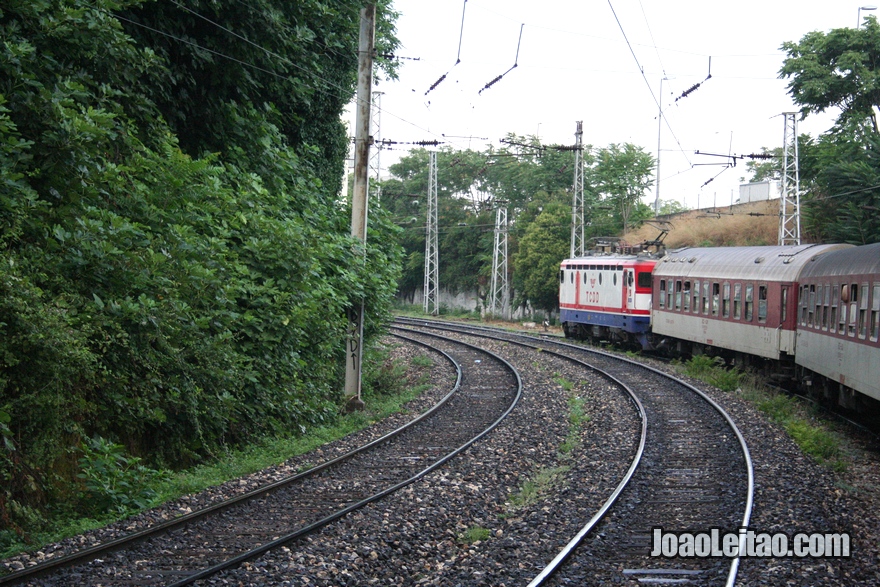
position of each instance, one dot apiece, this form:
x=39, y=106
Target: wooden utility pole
x=354, y=347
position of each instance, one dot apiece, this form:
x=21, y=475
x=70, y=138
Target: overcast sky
x=576, y=63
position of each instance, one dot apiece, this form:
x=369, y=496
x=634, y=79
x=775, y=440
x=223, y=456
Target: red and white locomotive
x=809, y=312
x=607, y=297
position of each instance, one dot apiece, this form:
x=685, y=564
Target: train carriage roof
x=864, y=260
x=774, y=263
x=607, y=259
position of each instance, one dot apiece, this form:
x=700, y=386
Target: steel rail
x=750, y=484
x=281, y=541
x=91, y=553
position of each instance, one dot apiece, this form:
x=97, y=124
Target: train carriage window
x=706, y=286
x=762, y=303
x=832, y=319
x=661, y=298
x=811, y=306
x=737, y=301
x=853, y=309
x=696, y=304
x=826, y=304
x=863, y=311
x=875, y=312
x=644, y=280
x=562, y=276
x=686, y=297
x=585, y=278
x=725, y=301
x=716, y=298
x=784, y=309
x=669, y=294
x=678, y=294
x=572, y=277
x=749, y=301
x=802, y=303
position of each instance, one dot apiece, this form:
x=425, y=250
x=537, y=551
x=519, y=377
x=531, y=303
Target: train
x=807, y=315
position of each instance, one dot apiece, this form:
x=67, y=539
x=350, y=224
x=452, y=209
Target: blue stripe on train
x=634, y=324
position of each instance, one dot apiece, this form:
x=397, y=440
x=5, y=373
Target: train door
x=629, y=289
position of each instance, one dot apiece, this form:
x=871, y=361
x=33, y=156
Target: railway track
x=206, y=543
x=695, y=474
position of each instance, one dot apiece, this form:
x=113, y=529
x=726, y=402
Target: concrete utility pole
x=354, y=351
x=790, y=212
x=577, y=206
x=431, y=288
x=499, y=296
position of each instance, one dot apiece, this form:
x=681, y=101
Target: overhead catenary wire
x=647, y=83
x=696, y=86
x=458, y=56
x=515, y=63
x=319, y=83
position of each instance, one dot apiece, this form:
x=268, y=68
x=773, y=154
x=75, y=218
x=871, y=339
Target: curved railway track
x=695, y=475
x=208, y=542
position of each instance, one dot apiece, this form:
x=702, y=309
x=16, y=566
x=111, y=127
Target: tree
x=171, y=292
x=545, y=242
x=670, y=207
x=840, y=69
x=623, y=172
x=844, y=196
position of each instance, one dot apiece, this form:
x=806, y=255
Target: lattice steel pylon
x=577, y=205
x=430, y=290
x=790, y=208
x=499, y=295
x=376, y=135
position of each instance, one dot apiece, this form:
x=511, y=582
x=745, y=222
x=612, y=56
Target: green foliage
x=533, y=181
x=842, y=204
x=545, y=242
x=474, y=534
x=422, y=361
x=840, y=170
x=114, y=481
x=713, y=371
x=670, y=207
x=177, y=301
x=837, y=69
x=623, y=172
x=539, y=485
x=813, y=438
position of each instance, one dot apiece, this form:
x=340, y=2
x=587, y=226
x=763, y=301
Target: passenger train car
x=810, y=314
x=740, y=299
x=607, y=297
x=838, y=340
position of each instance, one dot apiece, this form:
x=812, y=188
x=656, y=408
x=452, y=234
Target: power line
x=647, y=83
x=342, y=92
x=515, y=62
x=458, y=57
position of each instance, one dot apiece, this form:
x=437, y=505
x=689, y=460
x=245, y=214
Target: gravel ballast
x=416, y=537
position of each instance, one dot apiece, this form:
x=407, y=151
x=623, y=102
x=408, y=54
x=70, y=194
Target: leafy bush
x=713, y=371
x=114, y=481
x=178, y=287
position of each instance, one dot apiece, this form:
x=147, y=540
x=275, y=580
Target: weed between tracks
x=814, y=436
x=545, y=479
